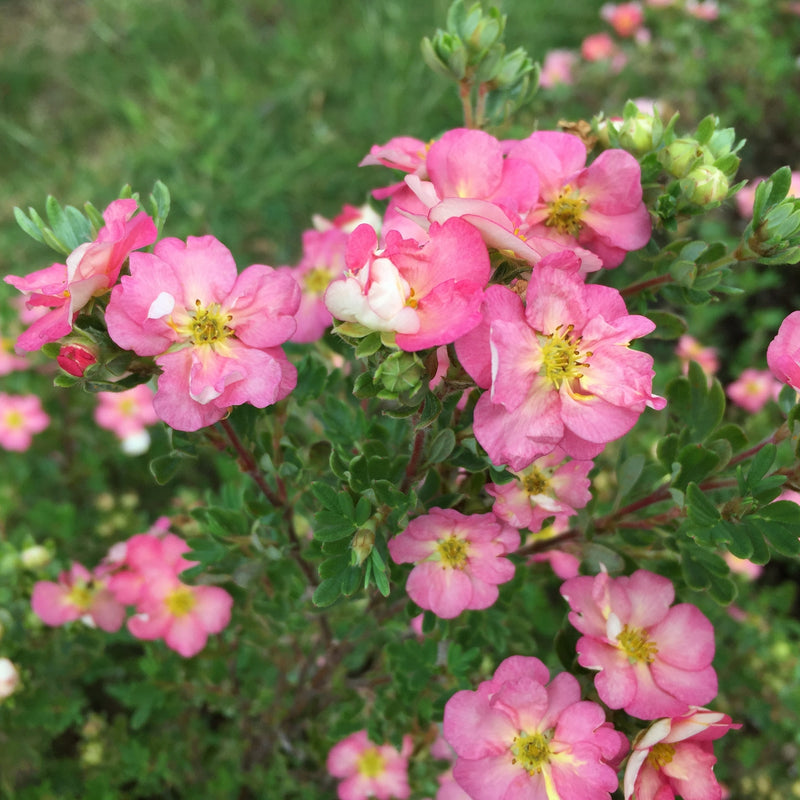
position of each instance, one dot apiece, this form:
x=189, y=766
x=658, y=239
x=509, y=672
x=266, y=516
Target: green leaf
x=327, y=496
x=351, y=579
x=60, y=225
x=696, y=463
x=441, y=446
x=363, y=510
x=628, y=473
x=165, y=468
x=760, y=465
x=668, y=325
x=334, y=565
x=328, y=591
x=27, y=225
x=369, y=345
x=330, y=526
x=699, y=508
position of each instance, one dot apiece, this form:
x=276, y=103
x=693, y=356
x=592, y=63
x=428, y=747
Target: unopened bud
x=400, y=372
x=35, y=557
x=362, y=544
x=636, y=133
x=679, y=157
x=75, y=358
x=706, y=184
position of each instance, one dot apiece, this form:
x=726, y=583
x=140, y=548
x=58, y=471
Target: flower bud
x=706, y=184
x=679, y=157
x=9, y=678
x=400, y=372
x=75, y=358
x=636, y=133
x=361, y=545
x=35, y=557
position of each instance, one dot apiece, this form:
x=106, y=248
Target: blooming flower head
x=216, y=333
x=77, y=594
x=559, y=370
x=21, y=416
x=551, y=486
x=428, y=295
x=521, y=738
x=753, y=388
x=91, y=270
x=368, y=770
x=9, y=361
x=598, y=207
x=676, y=757
x=459, y=560
x=598, y=47
x=783, y=352
x=653, y=660
x=404, y=153
x=166, y=608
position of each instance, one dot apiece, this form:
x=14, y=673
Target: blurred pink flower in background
x=707, y=10
x=689, y=349
x=9, y=361
x=77, y=594
x=128, y=414
x=598, y=46
x=625, y=18
x=368, y=770
x=21, y=416
x=557, y=68
x=746, y=195
x=9, y=678
x=753, y=388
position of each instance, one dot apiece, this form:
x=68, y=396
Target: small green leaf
x=327, y=593
x=441, y=446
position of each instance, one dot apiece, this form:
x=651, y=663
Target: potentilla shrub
x=444, y=399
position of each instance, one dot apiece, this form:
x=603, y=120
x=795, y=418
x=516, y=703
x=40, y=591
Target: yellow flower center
x=534, y=481
x=14, y=419
x=371, y=763
x=316, y=281
x=80, y=595
x=453, y=552
x=180, y=601
x=561, y=357
x=565, y=212
x=636, y=645
x=209, y=325
x=531, y=751
x=660, y=755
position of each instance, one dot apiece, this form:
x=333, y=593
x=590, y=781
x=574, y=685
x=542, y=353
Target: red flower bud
x=74, y=359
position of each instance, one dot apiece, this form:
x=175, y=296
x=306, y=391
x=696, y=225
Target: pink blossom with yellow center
x=21, y=416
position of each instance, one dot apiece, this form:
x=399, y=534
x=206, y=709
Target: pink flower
x=126, y=413
x=564, y=565
x=428, y=294
x=753, y=388
x=167, y=608
x=369, y=770
x=519, y=738
x=21, y=416
x=598, y=47
x=459, y=560
x=78, y=594
x=743, y=566
x=598, y=207
x=9, y=362
x=559, y=371
x=550, y=486
x=557, y=68
x=404, y=153
x=676, y=757
x=91, y=270
x=689, y=349
x=783, y=352
x=625, y=18
x=216, y=334
x=652, y=660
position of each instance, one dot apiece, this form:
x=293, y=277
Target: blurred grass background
x=254, y=113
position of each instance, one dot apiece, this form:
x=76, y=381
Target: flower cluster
x=141, y=573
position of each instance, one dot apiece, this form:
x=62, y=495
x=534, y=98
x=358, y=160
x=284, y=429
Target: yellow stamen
x=180, y=601
x=531, y=751
x=208, y=325
x=453, y=552
x=561, y=357
x=566, y=212
x=316, y=281
x=534, y=481
x=660, y=755
x=636, y=645
x=371, y=763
